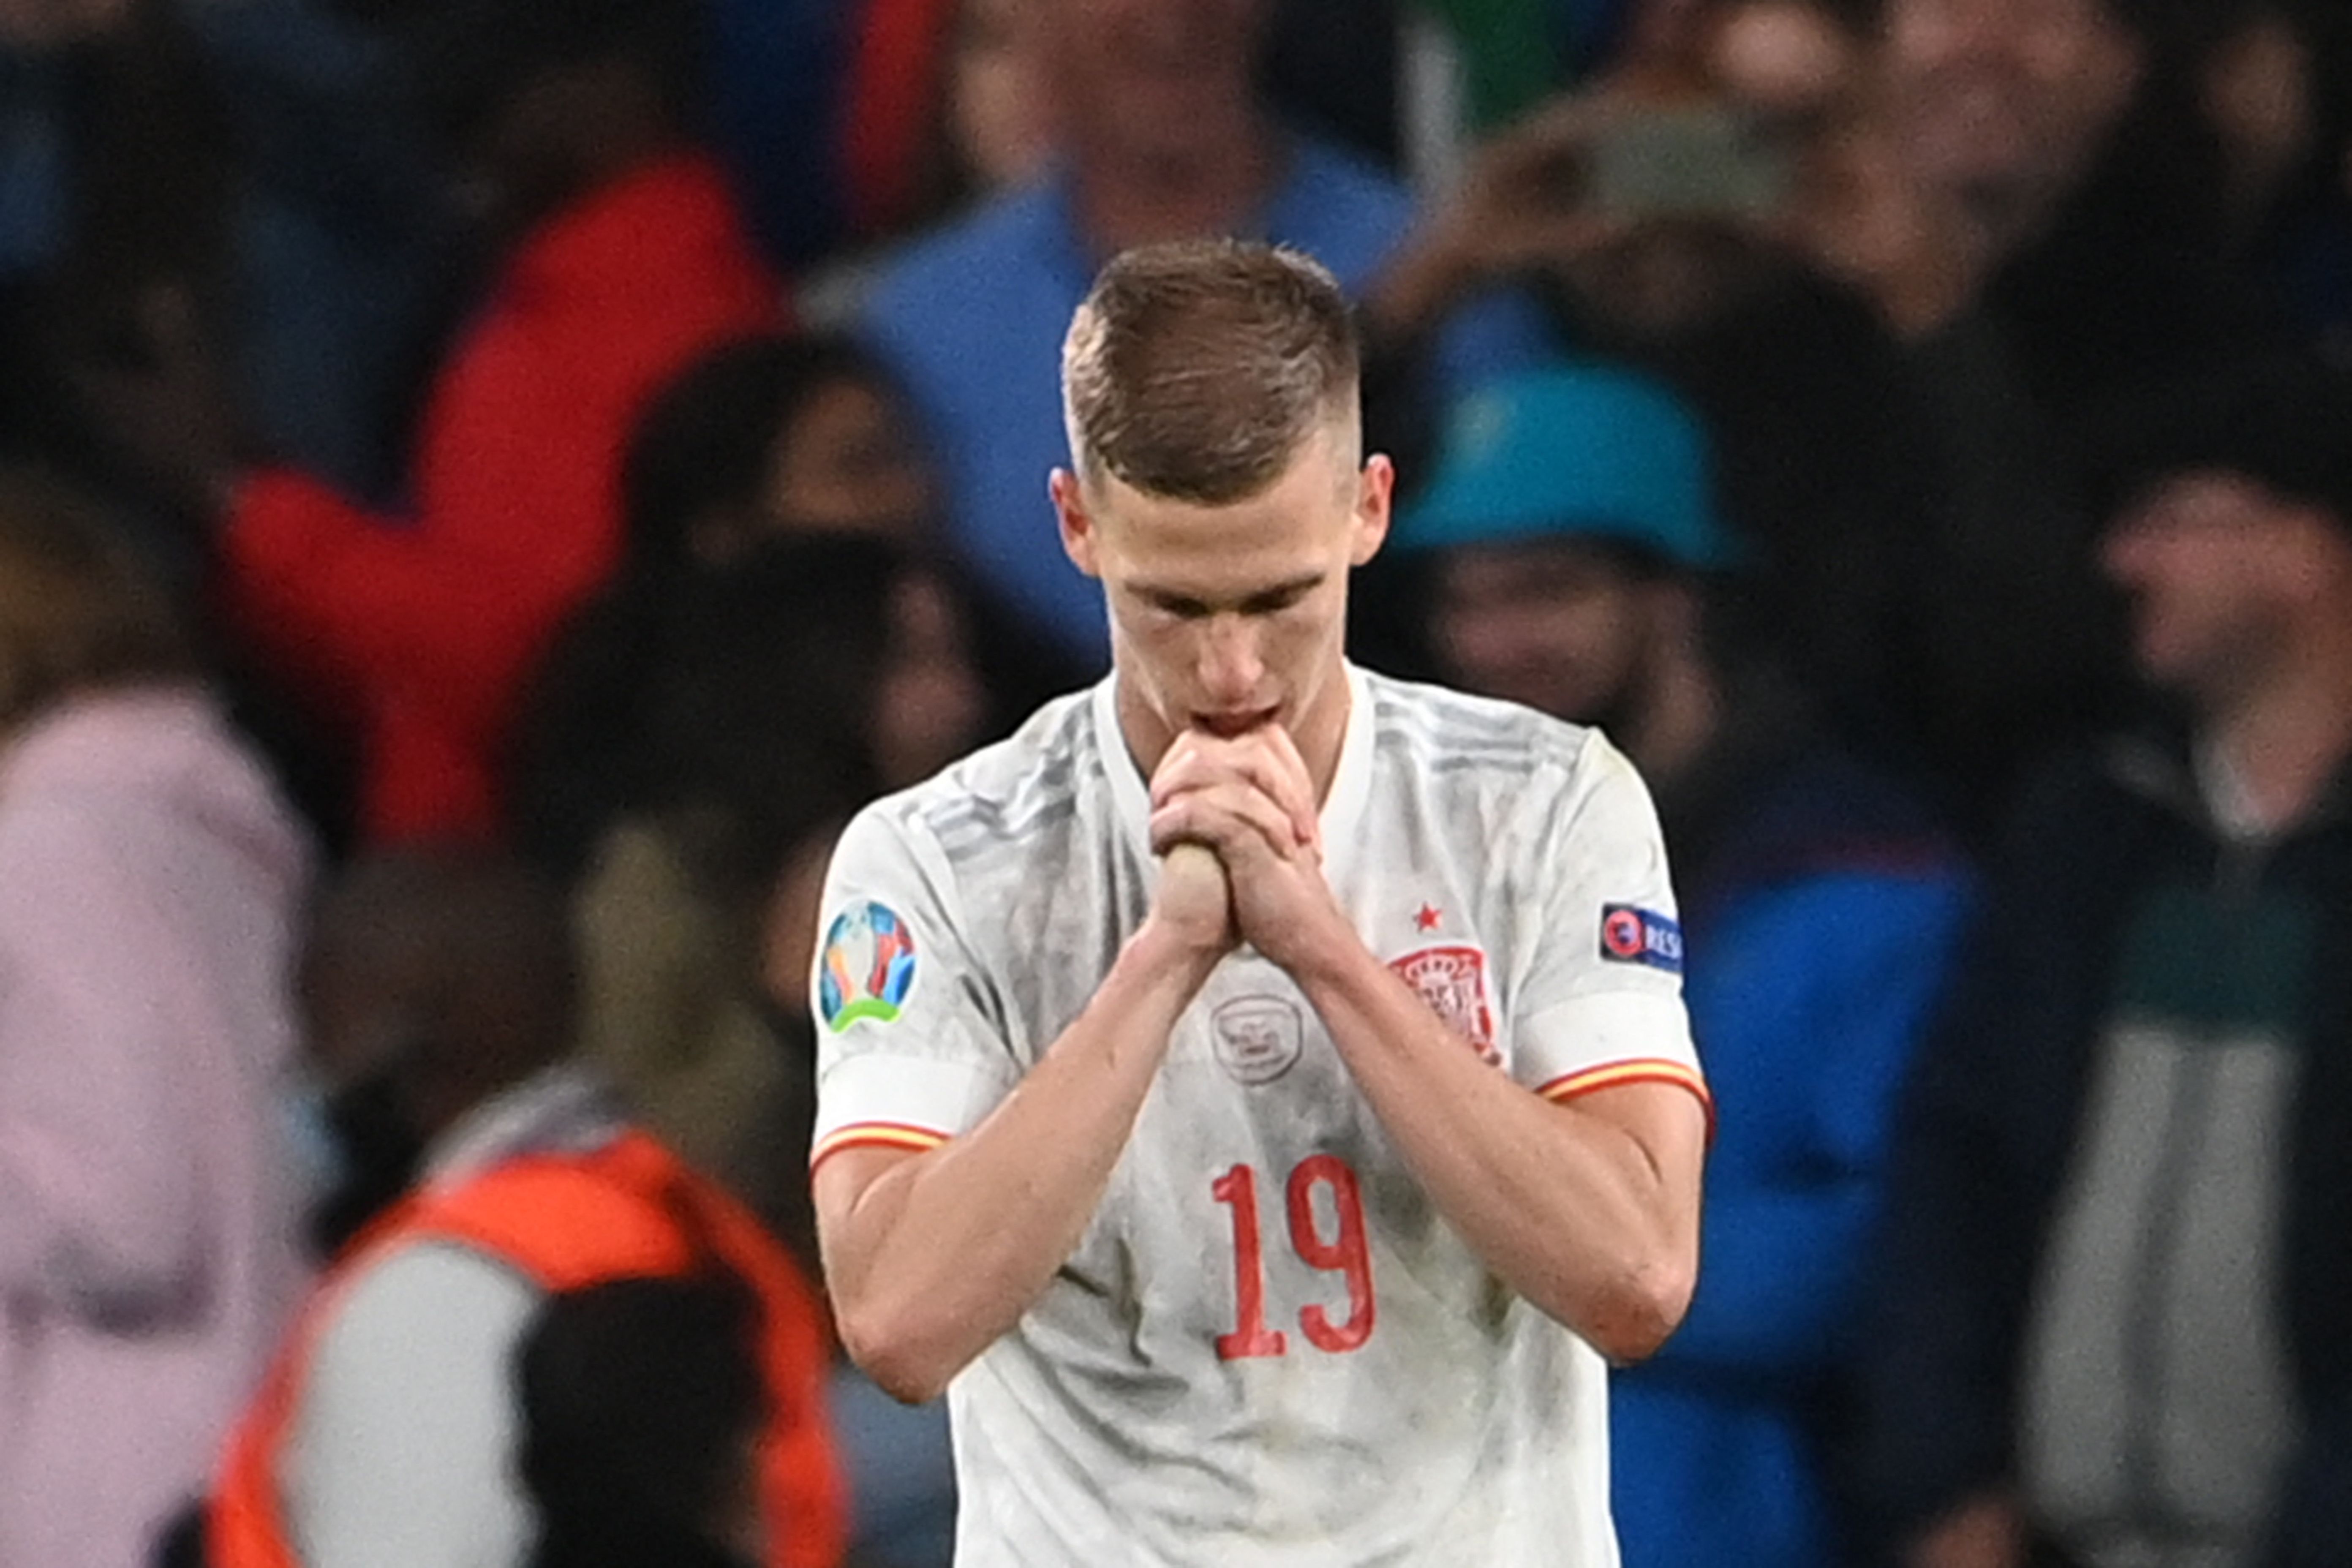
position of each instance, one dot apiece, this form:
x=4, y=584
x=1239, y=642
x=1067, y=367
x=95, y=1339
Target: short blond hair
x=79, y=609
x=1196, y=371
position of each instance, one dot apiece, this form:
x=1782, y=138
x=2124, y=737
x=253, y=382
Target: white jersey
x=1268, y=1347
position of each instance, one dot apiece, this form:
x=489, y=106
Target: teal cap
x=1575, y=450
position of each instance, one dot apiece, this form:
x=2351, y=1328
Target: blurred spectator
x=149, y=881
x=952, y=100
x=641, y=1413
x=2097, y=255
x=949, y=102
x=767, y=697
x=1689, y=124
x=1782, y=364
x=389, y=1430
x=783, y=693
x=765, y=437
x=1166, y=136
x=1580, y=569
x=2034, y=195
x=1960, y=647
x=1631, y=189
x=2071, y=133
x=629, y=259
x=2113, y=1282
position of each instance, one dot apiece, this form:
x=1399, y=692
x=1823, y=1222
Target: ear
x=1079, y=540
x=1375, y=500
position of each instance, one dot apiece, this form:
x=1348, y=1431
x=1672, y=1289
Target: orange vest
x=567, y=1221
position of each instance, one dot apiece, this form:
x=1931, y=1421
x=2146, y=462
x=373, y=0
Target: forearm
x=1569, y=1209
x=940, y=1255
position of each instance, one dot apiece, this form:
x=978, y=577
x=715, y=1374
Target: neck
x=2286, y=737
x=1127, y=197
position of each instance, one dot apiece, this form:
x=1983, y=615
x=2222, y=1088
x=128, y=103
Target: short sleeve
x=1600, y=997
x=910, y=1048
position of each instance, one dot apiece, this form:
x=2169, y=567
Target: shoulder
x=1436, y=731
x=1003, y=793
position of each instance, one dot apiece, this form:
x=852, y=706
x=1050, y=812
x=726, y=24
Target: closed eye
x=1277, y=599
x=1265, y=601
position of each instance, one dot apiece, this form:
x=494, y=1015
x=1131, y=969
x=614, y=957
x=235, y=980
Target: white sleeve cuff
x=901, y=1101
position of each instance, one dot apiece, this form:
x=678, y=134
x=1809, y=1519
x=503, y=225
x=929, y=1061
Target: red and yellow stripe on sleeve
x=874, y=1135
x=1644, y=1069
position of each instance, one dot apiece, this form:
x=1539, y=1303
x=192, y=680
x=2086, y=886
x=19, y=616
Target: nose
x=1232, y=664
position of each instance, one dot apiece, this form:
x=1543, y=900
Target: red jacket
x=421, y=632
x=567, y=1222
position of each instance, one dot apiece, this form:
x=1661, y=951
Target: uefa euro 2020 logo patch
x=868, y=965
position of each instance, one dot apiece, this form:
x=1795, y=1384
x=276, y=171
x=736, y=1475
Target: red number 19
x=1344, y=1254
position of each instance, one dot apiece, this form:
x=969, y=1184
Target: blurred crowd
x=488, y=487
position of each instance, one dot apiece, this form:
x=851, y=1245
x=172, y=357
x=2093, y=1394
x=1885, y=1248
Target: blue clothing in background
x=1821, y=919
x=972, y=316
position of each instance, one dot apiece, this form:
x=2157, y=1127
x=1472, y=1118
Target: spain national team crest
x=868, y=967
x=1452, y=980
x=1259, y=1037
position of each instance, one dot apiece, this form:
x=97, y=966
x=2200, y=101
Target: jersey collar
x=1343, y=808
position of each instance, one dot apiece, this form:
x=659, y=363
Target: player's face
x=1554, y=625
x=2213, y=565
x=1226, y=617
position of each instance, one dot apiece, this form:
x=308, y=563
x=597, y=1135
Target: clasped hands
x=1249, y=801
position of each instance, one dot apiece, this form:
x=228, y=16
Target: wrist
x=1164, y=955
x=1326, y=954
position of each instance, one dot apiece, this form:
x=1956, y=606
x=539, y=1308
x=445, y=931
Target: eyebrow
x=1281, y=596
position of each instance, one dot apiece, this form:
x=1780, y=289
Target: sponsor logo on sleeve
x=868, y=966
x=1452, y=982
x=1633, y=935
